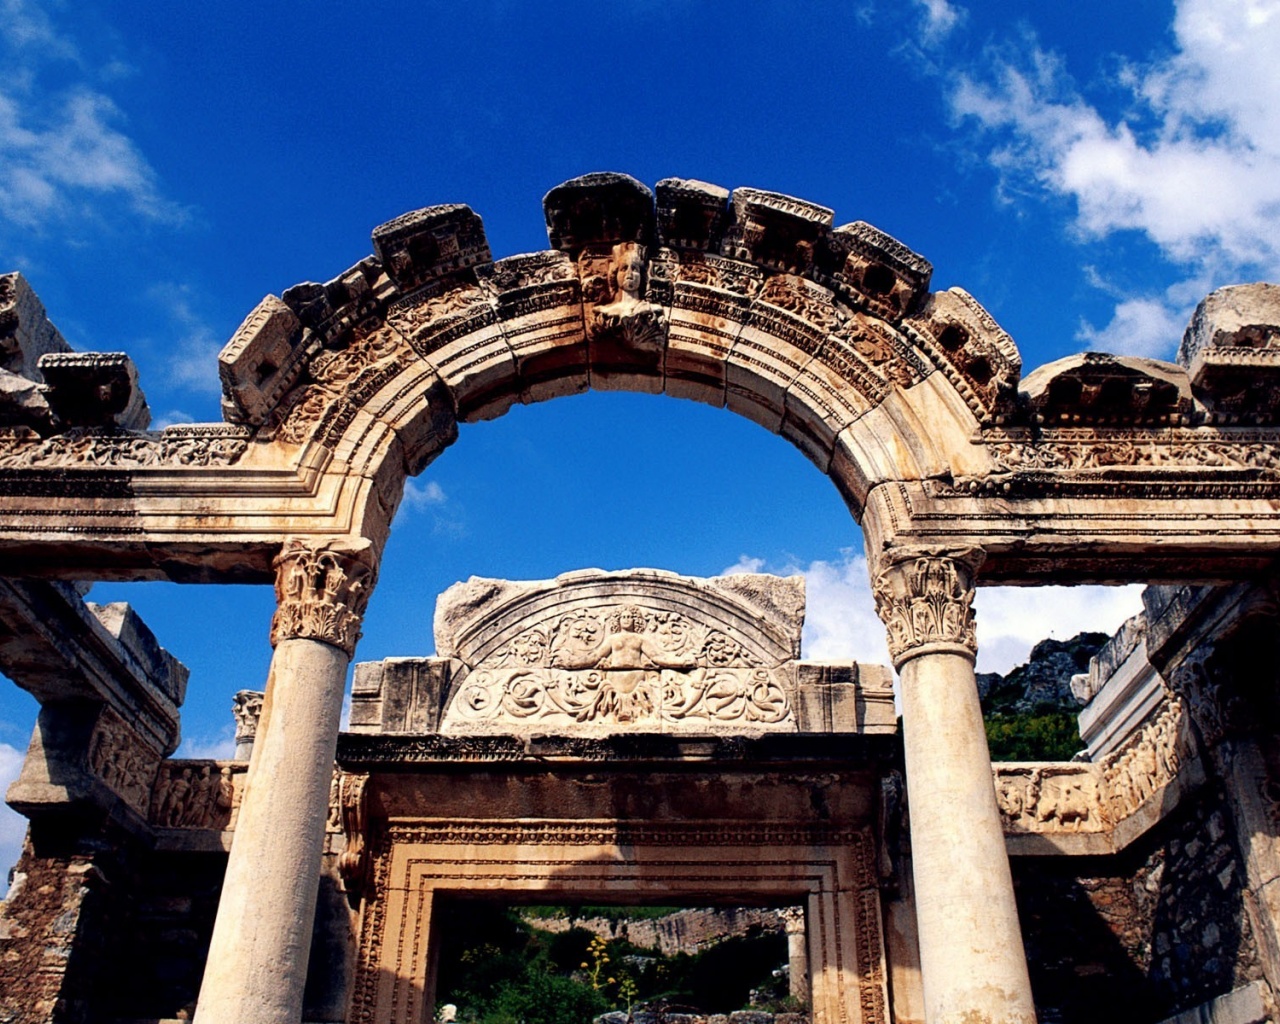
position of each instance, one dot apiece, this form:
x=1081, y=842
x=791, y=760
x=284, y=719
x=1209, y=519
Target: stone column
x=257, y=962
x=797, y=953
x=246, y=705
x=971, y=955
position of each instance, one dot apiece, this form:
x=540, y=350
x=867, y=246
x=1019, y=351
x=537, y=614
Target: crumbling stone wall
x=1141, y=936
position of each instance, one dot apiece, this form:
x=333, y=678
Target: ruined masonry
x=642, y=736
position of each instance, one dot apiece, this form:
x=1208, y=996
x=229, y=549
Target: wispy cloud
x=13, y=826
x=427, y=497
x=940, y=19
x=216, y=746
x=841, y=622
x=191, y=357
x=1193, y=164
x=64, y=150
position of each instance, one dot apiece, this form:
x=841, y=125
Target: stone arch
x=750, y=301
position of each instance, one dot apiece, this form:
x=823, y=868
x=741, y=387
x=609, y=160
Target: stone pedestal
x=971, y=955
x=261, y=939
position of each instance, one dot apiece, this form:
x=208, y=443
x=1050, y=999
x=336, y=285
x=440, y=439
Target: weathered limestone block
x=94, y=389
x=874, y=269
x=25, y=330
x=775, y=231
x=600, y=209
x=262, y=361
x=423, y=245
x=691, y=214
x=25, y=335
x=62, y=650
x=965, y=342
x=539, y=303
x=400, y=695
x=845, y=696
x=1094, y=389
x=1231, y=350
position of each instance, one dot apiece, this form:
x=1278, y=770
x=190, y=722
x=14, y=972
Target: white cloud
x=940, y=19
x=191, y=360
x=218, y=746
x=422, y=495
x=1012, y=620
x=841, y=622
x=65, y=149
x=1194, y=164
x=13, y=826
x=1139, y=327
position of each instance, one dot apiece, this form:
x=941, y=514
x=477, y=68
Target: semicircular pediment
x=639, y=650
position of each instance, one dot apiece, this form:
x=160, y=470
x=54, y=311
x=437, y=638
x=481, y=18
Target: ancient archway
x=1095, y=468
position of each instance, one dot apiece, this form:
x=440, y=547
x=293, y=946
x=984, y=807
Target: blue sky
x=1087, y=171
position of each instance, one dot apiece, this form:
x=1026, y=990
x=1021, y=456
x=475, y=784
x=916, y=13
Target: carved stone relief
x=1049, y=798
x=625, y=667
x=119, y=759
x=89, y=448
x=1147, y=762
x=620, y=312
x=196, y=794
x=321, y=593
x=926, y=602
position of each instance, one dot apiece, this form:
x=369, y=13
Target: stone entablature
x=593, y=652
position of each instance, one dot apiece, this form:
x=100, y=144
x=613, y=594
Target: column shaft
x=972, y=962
x=257, y=966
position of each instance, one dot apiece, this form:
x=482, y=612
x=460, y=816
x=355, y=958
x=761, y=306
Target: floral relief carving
x=321, y=593
x=927, y=602
x=90, y=448
x=624, y=666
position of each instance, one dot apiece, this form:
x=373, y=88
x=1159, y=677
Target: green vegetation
x=497, y=968
x=1047, y=735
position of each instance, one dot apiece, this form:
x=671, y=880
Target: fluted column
x=972, y=960
x=257, y=964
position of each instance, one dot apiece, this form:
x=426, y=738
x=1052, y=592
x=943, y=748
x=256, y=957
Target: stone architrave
x=971, y=954
x=262, y=935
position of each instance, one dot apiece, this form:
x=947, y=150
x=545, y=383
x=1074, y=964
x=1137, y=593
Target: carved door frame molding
x=832, y=869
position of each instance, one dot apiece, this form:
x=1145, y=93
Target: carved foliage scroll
x=926, y=603
x=321, y=593
x=624, y=666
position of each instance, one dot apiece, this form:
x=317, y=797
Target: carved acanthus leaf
x=322, y=590
x=926, y=604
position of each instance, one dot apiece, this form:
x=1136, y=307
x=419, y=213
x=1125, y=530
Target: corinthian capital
x=925, y=600
x=322, y=589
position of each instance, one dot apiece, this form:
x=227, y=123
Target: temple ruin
x=642, y=736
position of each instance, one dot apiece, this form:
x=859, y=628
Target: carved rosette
x=322, y=590
x=926, y=603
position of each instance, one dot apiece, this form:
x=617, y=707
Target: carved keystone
x=889, y=279
x=775, y=231
x=691, y=214
x=94, y=389
x=1231, y=350
x=1095, y=388
x=598, y=209
x=260, y=362
x=423, y=245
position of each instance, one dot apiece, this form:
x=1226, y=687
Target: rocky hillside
x=1031, y=712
